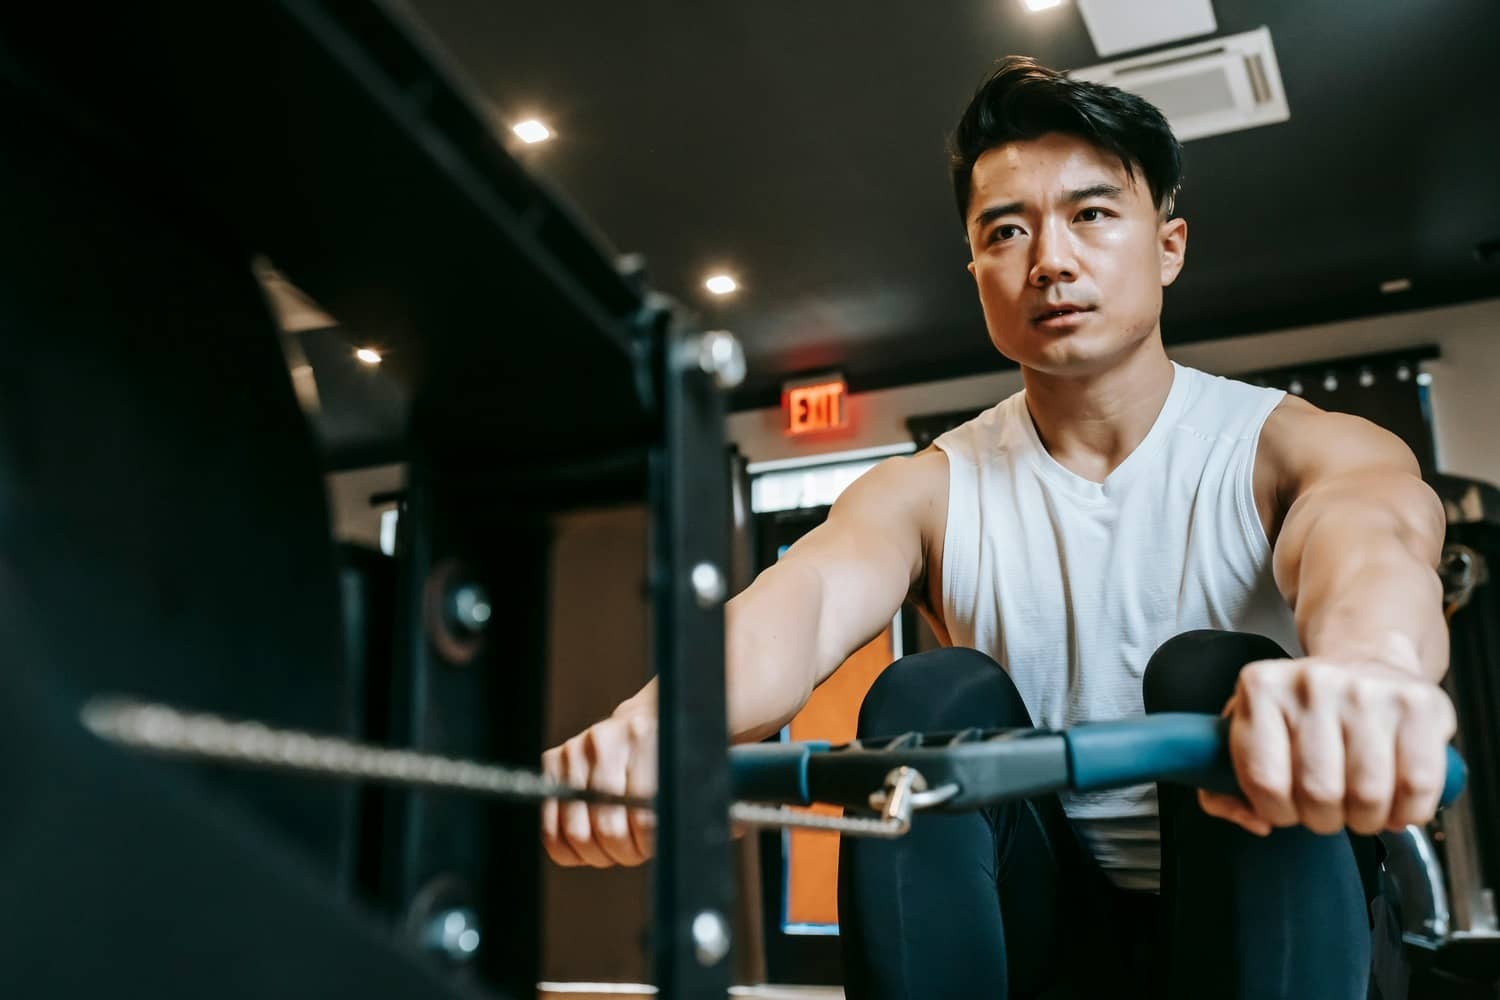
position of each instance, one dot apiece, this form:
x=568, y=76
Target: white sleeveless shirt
x=1071, y=585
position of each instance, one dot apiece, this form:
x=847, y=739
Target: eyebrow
x=994, y=212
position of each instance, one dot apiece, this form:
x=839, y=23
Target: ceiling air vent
x=1205, y=89
x=1118, y=26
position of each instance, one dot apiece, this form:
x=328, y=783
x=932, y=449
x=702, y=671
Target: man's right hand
x=834, y=591
x=617, y=756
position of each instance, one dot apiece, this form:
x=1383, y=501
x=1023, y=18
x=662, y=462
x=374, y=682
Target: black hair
x=1022, y=99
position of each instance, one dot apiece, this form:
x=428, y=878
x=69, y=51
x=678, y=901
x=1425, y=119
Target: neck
x=1091, y=423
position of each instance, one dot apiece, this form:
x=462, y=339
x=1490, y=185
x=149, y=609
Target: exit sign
x=815, y=405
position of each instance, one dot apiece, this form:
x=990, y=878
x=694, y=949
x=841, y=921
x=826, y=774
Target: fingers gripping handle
x=1181, y=747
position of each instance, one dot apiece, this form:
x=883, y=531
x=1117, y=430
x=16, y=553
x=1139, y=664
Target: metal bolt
x=632, y=267
x=453, y=933
x=720, y=355
x=708, y=584
x=469, y=607
x=710, y=937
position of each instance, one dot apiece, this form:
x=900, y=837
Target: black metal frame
x=465, y=695
x=331, y=139
x=475, y=694
x=689, y=484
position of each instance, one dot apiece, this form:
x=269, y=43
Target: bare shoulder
x=906, y=488
x=904, y=499
x=1302, y=447
x=1300, y=440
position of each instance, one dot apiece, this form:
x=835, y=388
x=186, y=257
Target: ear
x=972, y=271
x=1172, y=237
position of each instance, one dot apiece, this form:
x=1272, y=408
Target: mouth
x=1061, y=315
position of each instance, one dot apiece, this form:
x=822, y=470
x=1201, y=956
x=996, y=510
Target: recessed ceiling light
x=1041, y=4
x=531, y=131
x=1424, y=378
x=368, y=356
x=1396, y=285
x=721, y=284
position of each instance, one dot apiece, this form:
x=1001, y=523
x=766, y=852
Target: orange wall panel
x=831, y=714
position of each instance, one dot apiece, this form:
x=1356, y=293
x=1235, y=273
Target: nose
x=1053, y=259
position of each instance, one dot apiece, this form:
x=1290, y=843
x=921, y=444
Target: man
x=1124, y=535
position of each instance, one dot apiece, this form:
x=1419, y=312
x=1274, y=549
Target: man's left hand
x=1335, y=742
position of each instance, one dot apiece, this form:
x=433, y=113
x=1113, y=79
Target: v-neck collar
x=1087, y=489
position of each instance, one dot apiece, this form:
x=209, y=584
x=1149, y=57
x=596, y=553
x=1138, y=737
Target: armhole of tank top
x=1254, y=527
x=960, y=504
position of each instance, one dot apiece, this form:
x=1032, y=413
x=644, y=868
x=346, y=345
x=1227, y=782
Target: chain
x=161, y=729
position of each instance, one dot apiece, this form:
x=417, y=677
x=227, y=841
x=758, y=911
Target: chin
x=1076, y=354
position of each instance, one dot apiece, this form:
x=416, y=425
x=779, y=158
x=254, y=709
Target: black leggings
x=1007, y=903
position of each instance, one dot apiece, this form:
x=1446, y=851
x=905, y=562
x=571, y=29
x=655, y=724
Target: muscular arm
x=1357, y=554
x=831, y=593
x=1353, y=733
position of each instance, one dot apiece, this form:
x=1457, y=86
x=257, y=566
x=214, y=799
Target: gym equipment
x=165, y=529
x=1447, y=871
x=982, y=767
x=894, y=775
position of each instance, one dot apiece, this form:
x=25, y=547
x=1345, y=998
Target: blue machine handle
x=773, y=772
x=1176, y=746
x=1180, y=747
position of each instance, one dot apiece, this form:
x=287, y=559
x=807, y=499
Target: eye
x=1092, y=214
x=1004, y=232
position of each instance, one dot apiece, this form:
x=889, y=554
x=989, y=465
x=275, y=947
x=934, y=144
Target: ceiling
x=802, y=148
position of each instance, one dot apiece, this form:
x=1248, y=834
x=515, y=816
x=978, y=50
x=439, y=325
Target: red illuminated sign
x=816, y=405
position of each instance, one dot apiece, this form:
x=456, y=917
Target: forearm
x=1366, y=584
x=766, y=680
x=772, y=657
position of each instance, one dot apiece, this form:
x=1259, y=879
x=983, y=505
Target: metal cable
x=754, y=815
x=167, y=731
x=161, y=729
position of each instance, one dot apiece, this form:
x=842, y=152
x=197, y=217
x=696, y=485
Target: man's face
x=1070, y=255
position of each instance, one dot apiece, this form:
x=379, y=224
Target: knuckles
x=1363, y=695
x=1367, y=793
x=1320, y=793
x=1259, y=680
x=1417, y=785
x=1327, y=684
x=1263, y=783
x=641, y=727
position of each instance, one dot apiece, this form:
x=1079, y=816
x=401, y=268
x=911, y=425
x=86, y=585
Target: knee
x=1197, y=671
x=943, y=690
